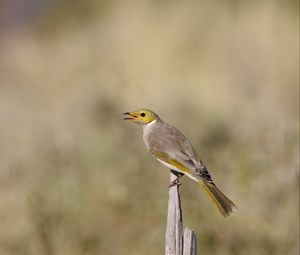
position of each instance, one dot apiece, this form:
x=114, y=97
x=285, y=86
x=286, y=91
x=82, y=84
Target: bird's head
x=141, y=117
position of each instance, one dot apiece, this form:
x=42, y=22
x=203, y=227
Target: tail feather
x=222, y=202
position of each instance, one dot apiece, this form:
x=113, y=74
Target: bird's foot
x=175, y=182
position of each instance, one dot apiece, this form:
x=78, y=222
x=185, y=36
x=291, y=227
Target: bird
x=171, y=148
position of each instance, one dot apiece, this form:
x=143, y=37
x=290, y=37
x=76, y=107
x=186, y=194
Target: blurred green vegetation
x=76, y=179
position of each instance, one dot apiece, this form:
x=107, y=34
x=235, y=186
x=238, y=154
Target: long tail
x=223, y=203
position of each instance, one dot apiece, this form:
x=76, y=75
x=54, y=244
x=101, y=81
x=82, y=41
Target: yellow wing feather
x=224, y=205
x=165, y=157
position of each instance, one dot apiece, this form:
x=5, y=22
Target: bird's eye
x=143, y=114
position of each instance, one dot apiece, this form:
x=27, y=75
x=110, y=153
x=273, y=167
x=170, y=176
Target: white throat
x=151, y=123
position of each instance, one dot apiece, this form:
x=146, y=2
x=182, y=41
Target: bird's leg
x=176, y=181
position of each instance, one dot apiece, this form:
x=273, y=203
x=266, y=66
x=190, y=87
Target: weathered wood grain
x=189, y=242
x=177, y=243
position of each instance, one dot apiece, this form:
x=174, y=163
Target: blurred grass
x=75, y=179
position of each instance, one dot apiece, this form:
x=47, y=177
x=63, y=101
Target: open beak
x=130, y=115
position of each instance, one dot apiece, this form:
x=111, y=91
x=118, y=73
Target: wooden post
x=174, y=236
x=177, y=243
x=189, y=242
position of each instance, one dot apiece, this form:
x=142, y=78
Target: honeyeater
x=170, y=147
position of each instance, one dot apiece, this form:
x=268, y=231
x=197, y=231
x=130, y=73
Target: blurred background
x=76, y=179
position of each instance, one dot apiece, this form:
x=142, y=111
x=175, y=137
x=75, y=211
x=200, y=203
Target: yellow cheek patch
x=146, y=119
